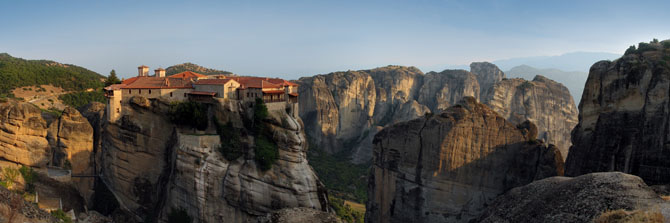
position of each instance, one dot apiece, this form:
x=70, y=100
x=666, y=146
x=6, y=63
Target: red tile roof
x=281, y=82
x=159, y=82
x=187, y=74
x=129, y=80
x=213, y=81
x=255, y=82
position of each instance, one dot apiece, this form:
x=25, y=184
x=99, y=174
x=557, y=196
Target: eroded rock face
x=579, y=199
x=487, y=74
x=546, y=103
x=23, y=134
x=343, y=110
x=71, y=139
x=154, y=167
x=623, y=119
x=448, y=167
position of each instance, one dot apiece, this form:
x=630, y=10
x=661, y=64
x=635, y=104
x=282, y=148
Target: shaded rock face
x=448, y=167
x=343, y=110
x=579, y=199
x=291, y=215
x=546, y=103
x=71, y=140
x=23, y=134
x=487, y=74
x=623, y=120
x=153, y=167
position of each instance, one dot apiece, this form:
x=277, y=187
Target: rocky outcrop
x=13, y=208
x=154, y=166
x=579, y=199
x=23, y=134
x=71, y=140
x=624, y=117
x=449, y=167
x=343, y=110
x=487, y=74
x=546, y=103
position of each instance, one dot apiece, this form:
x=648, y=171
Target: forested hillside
x=18, y=72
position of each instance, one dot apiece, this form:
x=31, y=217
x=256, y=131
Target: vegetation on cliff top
x=194, y=68
x=78, y=99
x=17, y=72
x=231, y=146
x=345, y=212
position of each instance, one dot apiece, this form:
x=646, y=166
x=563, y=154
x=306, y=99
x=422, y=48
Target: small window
x=130, y=91
x=184, y=94
x=149, y=91
x=140, y=91
x=170, y=94
x=117, y=110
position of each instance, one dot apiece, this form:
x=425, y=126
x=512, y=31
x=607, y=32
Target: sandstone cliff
x=448, y=167
x=154, y=166
x=344, y=110
x=23, y=134
x=623, y=119
x=546, y=103
x=579, y=199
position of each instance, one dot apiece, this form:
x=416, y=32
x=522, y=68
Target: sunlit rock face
x=154, y=166
x=546, y=103
x=23, y=134
x=447, y=167
x=623, y=120
x=344, y=110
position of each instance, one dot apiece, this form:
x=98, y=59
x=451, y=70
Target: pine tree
x=112, y=79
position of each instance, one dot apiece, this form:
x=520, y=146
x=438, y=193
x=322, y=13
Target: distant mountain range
x=573, y=80
x=577, y=61
x=195, y=68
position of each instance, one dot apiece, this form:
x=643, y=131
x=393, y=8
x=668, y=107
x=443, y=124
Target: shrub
x=344, y=211
x=666, y=44
x=29, y=177
x=266, y=152
x=231, y=146
x=61, y=215
x=189, y=113
x=340, y=176
x=179, y=216
x=9, y=176
x=643, y=47
x=630, y=50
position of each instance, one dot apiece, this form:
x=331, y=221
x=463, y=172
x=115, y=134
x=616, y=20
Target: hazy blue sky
x=300, y=38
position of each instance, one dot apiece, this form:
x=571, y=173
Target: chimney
x=143, y=71
x=160, y=72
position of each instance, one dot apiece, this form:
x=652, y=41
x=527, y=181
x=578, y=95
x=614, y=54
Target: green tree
x=112, y=78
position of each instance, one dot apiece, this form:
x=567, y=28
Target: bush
x=29, y=177
x=266, y=152
x=231, y=146
x=666, y=44
x=643, y=47
x=179, y=216
x=61, y=215
x=189, y=113
x=630, y=50
x=9, y=176
x=78, y=99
